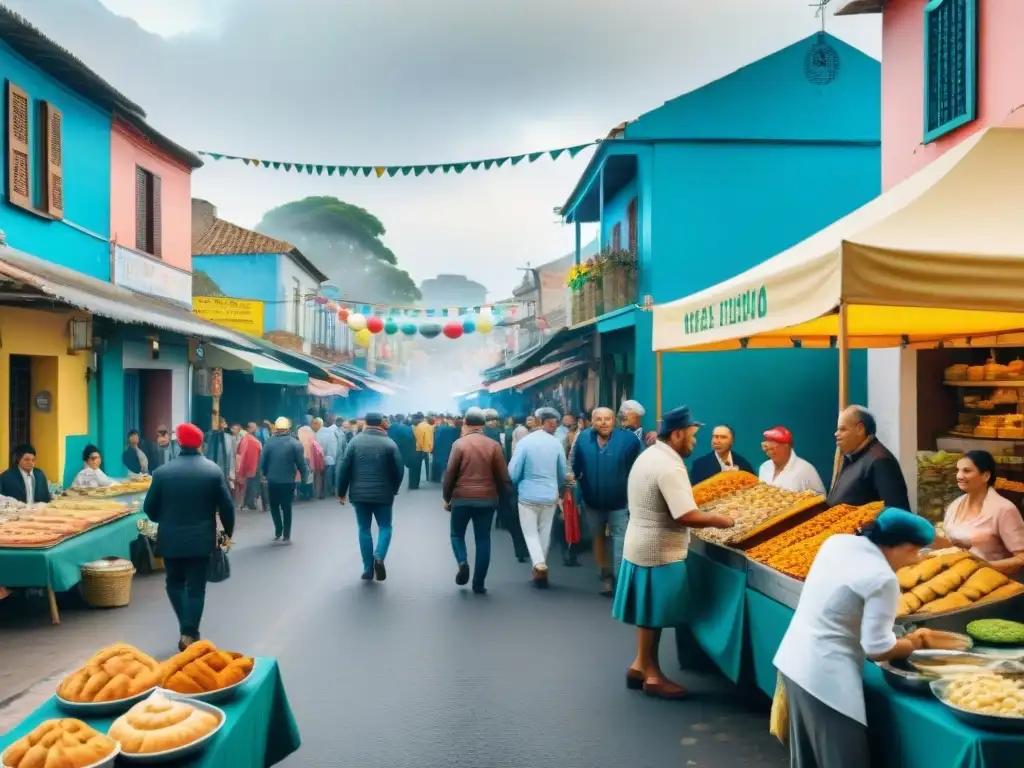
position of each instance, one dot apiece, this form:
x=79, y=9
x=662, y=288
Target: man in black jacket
x=184, y=501
x=721, y=459
x=24, y=481
x=371, y=473
x=869, y=471
x=281, y=461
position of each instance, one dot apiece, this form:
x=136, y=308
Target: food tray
x=771, y=583
x=106, y=762
x=85, y=710
x=956, y=621
x=221, y=694
x=180, y=753
x=977, y=719
x=907, y=680
x=719, y=554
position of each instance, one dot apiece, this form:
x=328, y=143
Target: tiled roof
x=222, y=238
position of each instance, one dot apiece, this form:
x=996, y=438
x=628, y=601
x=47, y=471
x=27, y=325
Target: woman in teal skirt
x=651, y=593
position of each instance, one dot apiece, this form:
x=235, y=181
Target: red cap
x=189, y=436
x=779, y=435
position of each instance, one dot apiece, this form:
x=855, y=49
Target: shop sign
x=243, y=315
x=44, y=402
x=216, y=382
x=151, y=276
x=746, y=306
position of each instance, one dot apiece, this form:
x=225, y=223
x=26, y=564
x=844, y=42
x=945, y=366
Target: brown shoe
x=664, y=689
x=634, y=679
x=539, y=576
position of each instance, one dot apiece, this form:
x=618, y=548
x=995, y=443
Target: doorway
x=21, y=401
x=132, y=397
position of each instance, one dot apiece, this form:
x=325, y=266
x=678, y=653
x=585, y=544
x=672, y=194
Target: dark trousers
x=281, y=496
x=253, y=487
x=416, y=470
x=365, y=515
x=481, y=516
x=186, y=589
x=508, y=511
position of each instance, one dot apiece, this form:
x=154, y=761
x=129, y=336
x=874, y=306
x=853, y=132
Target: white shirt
x=30, y=486
x=846, y=613
x=728, y=465
x=92, y=478
x=659, y=493
x=798, y=475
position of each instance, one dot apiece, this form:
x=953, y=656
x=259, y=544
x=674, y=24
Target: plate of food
x=986, y=700
x=64, y=742
x=202, y=672
x=997, y=633
x=165, y=728
x=110, y=682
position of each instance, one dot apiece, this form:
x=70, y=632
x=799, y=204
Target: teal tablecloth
x=767, y=621
x=716, y=611
x=59, y=567
x=260, y=730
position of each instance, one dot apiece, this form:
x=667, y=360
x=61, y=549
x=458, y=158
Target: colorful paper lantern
x=357, y=322
x=409, y=328
x=484, y=322
x=468, y=324
x=343, y=314
x=452, y=329
x=320, y=300
x=363, y=337
x=391, y=327
x=430, y=330
x=374, y=324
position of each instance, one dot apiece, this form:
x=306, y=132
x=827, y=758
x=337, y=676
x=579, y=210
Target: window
x=148, y=219
x=41, y=170
x=950, y=66
x=617, y=237
x=631, y=218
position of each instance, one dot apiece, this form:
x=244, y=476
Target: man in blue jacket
x=403, y=436
x=601, y=461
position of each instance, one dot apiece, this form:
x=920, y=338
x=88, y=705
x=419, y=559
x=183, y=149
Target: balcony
x=603, y=284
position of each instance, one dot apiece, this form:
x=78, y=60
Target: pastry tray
x=986, y=722
x=717, y=553
x=955, y=621
x=180, y=753
x=106, y=762
x=221, y=694
x=774, y=584
x=89, y=709
x=69, y=536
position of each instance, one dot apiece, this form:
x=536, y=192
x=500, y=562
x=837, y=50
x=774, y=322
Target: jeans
x=186, y=589
x=281, y=497
x=536, y=520
x=416, y=470
x=616, y=522
x=365, y=515
x=508, y=512
x=481, y=514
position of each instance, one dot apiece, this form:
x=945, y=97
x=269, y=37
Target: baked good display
x=118, y=672
x=754, y=510
x=987, y=694
x=202, y=668
x=14, y=535
x=949, y=582
x=64, y=743
x=721, y=485
x=160, y=724
x=45, y=526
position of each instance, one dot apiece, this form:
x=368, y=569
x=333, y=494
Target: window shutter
x=19, y=184
x=141, y=219
x=156, y=220
x=53, y=136
x=632, y=219
x=617, y=237
x=950, y=66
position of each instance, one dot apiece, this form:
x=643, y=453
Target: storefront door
x=21, y=401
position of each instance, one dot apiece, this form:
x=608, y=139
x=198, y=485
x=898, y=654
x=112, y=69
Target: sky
x=387, y=82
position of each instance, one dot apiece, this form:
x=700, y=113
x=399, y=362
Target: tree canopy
x=344, y=242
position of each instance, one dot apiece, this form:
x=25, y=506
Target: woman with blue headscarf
x=846, y=614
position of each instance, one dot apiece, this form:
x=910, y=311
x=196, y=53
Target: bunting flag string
x=380, y=171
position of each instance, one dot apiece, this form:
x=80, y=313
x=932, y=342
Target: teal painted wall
x=112, y=433
x=86, y=165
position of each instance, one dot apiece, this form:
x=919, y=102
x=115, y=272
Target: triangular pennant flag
x=331, y=169
x=393, y=169
x=555, y=153
x=573, y=151
x=535, y=156
x=246, y=160
x=517, y=159
x=475, y=165
x=501, y=161
x=379, y=170
x=431, y=168
x=256, y=163
x=460, y=167
x=309, y=169
x=444, y=313
x=342, y=170
x=287, y=166
x=214, y=155
x=418, y=169
x=367, y=170
x=488, y=164
x=277, y=165
x=446, y=167
x=365, y=309
x=406, y=169
x=319, y=170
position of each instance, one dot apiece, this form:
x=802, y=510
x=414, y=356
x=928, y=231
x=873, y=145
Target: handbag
x=571, y=514
x=220, y=566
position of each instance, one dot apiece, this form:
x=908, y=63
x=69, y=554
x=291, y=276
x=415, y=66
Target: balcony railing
x=603, y=284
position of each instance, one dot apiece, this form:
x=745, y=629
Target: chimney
x=203, y=214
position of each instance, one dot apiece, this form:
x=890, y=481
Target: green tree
x=344, y=241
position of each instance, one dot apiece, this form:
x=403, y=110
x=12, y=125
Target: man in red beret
x=184, y=501
x=784, y=469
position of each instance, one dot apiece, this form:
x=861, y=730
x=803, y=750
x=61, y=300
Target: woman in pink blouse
x=981, y=520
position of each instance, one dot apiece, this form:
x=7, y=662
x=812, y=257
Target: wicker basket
x=107, y=583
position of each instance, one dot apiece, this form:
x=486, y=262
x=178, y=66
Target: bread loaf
x=202, y=668
x=65, y=743
x=159, y=724
x=117, y=672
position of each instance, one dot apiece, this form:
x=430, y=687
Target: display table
x=260, y=730
x=58, y=568
x=906, y=731
x=716, y=611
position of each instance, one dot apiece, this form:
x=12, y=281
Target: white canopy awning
x=264, y=369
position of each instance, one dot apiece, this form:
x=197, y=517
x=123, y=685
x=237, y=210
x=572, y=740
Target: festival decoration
x=430, y=329
x=484, y=323
x=468, y=324
x=390, y=326
x=374, y=324
x=409, y=329
x=363, y=337
x=452, y=329
x=380, y=171
x=357, y=322
x=343, y=314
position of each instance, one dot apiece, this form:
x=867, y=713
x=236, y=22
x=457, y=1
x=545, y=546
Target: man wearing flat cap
x=784, y=469
x=184, y=501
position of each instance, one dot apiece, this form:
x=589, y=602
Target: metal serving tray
x=1005, y=723
x=778, y=586
x=731, y=558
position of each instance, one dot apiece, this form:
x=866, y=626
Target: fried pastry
x=1010, y=589
x=117, y=672
x=951, y=602
x=65, y=743
x=159, y=724
x=924, y=592
x=202, y=668
x=953, y=577
x=908, y=577
x=909, y=604
x=982, y=582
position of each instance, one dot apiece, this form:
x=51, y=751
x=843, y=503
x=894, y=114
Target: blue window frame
x=950, y=66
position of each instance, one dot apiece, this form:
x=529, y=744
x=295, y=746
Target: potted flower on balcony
x=618, y=278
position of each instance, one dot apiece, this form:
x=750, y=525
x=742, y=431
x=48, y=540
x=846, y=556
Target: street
x=414, y=672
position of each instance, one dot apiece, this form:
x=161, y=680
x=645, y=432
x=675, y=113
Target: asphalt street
x=415, y=672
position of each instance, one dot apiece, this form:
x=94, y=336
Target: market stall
x=235, y=707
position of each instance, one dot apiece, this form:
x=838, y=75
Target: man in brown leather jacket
x=473, y=485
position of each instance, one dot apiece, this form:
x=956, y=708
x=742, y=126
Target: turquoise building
x=714, y=182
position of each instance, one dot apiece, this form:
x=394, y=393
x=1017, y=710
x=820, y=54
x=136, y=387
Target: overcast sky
x=386, y=82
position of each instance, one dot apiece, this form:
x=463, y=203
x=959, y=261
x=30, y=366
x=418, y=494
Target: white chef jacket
x=798, y=475
x=846, y=612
